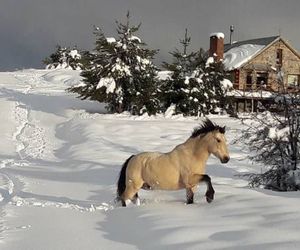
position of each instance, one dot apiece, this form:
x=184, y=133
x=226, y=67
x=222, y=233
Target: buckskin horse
x=181, y=168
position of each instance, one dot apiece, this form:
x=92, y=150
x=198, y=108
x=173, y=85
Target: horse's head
x=217, y=145
x=214, y=139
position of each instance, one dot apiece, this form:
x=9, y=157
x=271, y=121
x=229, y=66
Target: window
x=249, y=80
x=262, y=80
x=293, y=80
x=279, y=56
x=235, y=78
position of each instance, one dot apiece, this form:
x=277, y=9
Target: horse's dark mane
x=206, y=127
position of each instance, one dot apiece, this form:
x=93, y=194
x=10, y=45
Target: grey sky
x=30, y=29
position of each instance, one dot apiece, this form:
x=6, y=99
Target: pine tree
x=176, y=90
x=215, y=91
x=121, y=72
x=195, y=84
x=274, y=139
x=64, y=58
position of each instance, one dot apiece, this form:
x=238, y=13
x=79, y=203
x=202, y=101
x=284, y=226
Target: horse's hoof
x=210, y=195
x=137, y=202
x=129, y=203
x=209, y=200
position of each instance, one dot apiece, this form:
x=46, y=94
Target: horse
x=181, y=168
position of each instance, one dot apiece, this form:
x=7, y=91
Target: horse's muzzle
x=225, y=159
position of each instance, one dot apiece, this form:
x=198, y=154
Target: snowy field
x=60, y=159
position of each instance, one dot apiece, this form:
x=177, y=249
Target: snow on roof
x=238, y=53
x=237, y=56
x=218, y=35
x=258, y=41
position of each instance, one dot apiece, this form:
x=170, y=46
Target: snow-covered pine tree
x=64, y=58
x=215, y=83
x=195, y=86
x=86, y=58
x=180, y=88
x=274, y=139
x=121, y=72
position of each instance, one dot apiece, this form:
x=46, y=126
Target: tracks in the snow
x=10, y=186
x=29, y=143
x=29, y=137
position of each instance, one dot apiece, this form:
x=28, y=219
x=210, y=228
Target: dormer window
x=279, y=57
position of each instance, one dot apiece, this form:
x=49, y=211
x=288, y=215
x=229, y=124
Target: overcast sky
x=30, y=29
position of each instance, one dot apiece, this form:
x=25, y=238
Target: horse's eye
x=218, y=140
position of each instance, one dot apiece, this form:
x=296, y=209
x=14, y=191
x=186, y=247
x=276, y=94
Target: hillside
x=61, y=157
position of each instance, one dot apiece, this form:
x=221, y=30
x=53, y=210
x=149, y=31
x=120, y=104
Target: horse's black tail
x=122, y=178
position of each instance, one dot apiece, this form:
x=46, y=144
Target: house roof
x=258, y=41
x=239, y=53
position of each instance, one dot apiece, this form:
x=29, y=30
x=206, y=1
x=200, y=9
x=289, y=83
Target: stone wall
x=266, y=61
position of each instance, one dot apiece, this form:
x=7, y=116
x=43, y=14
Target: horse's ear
x=222, y=129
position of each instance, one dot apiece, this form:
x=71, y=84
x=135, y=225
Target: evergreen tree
x=176, y=90
x=64, y=58
x=213, y=78
x=275, y=140
x=121, y=72
x=195, y=84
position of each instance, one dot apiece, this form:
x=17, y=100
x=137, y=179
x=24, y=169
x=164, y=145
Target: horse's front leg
x=195, y=180
x=210, y=192
x=189, y=196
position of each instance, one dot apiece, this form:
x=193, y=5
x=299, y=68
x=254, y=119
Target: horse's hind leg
x=136, y=200
x=131, y=192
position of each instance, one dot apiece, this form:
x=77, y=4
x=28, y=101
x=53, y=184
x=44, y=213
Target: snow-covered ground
x=59, y=161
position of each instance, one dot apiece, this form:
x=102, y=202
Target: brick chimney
x=216, y=48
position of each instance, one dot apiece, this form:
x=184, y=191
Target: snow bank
x=170, y=111
x=66, y=77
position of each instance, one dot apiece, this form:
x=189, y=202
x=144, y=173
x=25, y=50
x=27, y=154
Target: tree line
x=120, y=72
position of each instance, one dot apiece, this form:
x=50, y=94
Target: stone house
x=259, y=69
